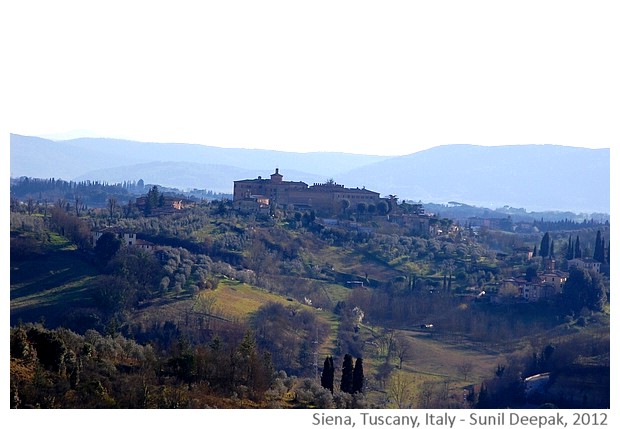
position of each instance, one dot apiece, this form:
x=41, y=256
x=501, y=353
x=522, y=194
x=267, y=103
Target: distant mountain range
x=534, y=177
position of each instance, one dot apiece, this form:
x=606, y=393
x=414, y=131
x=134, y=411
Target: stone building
x=128, y=238
x=585, y=263
x=544, y=285
x=326, y=197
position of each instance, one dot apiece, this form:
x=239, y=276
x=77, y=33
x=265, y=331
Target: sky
x=383, y=78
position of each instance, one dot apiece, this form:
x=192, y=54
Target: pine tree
x=358, y=376
x=346, y=382
x=327, y=376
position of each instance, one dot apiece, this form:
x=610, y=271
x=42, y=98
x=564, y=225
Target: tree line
x=600, y=251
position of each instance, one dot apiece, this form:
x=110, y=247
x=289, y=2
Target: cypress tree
x=358, y=376
x=327, y=376
x=599, y=248
x=597, y=245
x=544, y=245
x=577, y=248
x=570, y=251
x=551, y=251
x=483, y=397
x=346, y=382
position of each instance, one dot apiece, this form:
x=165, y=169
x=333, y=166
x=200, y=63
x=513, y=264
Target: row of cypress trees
x=352, y=380
x=601, y=253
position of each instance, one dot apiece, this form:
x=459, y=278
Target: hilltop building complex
x=329, y=197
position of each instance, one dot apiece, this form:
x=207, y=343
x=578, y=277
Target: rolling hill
x=534, y=177
x=71, y=159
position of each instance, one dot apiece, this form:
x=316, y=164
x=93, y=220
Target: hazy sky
x=354, y=76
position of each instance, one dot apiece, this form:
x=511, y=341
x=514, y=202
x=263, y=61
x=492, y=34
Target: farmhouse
x=252, y=204
x=585, y=263
x=167, y=205
x=544, y=285
x=328, y=197
x=128, y=238
x=415, y=222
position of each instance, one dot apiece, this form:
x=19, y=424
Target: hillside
x=230, y=310
x=37, y=157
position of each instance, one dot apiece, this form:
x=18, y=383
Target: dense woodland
x=233, y=310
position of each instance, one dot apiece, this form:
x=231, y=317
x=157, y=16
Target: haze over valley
x=533, y=177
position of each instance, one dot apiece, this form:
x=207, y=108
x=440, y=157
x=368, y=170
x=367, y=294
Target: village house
x=544, y=285
x=252, y=204
x=128, y=238
x=529, y=291
x=552, y=276
x=419, y=224
x=586, y=264
x=170, y=204
x=527, y=252
x=144, y=245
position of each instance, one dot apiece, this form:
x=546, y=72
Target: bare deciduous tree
x=464, y=369
x=402, y=347
x=401, y=391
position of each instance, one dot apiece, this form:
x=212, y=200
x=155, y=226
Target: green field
x=235, y=300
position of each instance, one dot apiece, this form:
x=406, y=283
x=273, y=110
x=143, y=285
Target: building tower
x=276, y=177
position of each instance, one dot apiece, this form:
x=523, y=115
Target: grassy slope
x=50, y=285
x=232, y=300
x=240, y=300
x=438, y=357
